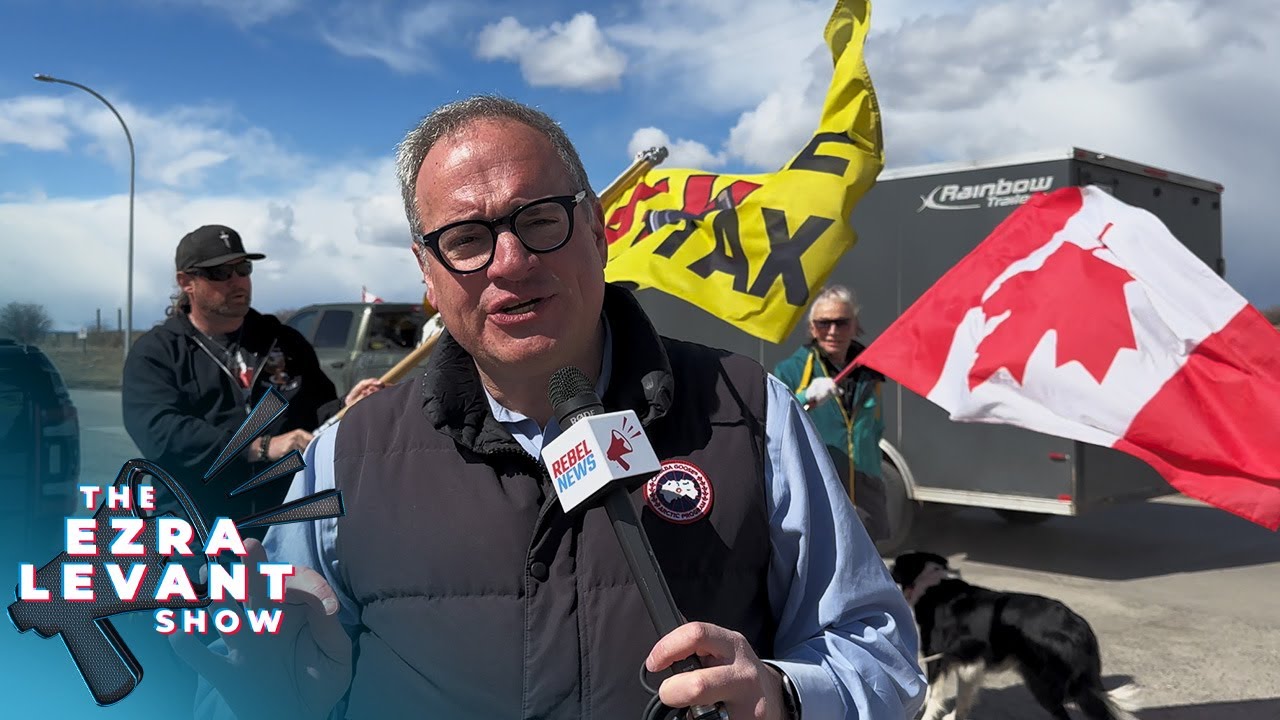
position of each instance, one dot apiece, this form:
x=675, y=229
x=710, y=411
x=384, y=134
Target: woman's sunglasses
x=825, y=323
x=222, y=273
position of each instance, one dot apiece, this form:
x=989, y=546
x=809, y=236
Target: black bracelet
x=263, y=442
x=790, y=696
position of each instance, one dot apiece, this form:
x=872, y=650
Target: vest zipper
x=544, y=479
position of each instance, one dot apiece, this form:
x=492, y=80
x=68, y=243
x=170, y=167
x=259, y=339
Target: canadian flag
x=368, y=297
x=1083, y=317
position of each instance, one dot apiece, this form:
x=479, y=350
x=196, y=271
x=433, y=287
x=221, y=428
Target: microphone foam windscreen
x=565, y=383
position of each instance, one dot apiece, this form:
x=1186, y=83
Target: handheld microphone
x=595, y=451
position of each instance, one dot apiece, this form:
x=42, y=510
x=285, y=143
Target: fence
x=94, y=339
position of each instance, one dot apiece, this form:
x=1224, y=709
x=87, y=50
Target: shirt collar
x=525, y=429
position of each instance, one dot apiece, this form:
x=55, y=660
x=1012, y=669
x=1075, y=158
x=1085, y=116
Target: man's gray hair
x=179, y=304
x=450, y=119
x=835, y=293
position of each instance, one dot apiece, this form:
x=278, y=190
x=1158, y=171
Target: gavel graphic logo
x=108, y=666
x=106, y=663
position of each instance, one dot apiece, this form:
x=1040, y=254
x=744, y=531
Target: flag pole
x=392, y=376
x=644, y=161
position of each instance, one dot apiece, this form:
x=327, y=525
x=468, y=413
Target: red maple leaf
x=1075, y=293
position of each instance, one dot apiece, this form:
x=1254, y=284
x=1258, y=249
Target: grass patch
x=94, y=368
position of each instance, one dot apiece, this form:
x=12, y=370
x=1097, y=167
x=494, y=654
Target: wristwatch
x=790, y=697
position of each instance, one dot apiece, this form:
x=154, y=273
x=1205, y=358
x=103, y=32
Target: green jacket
x=852, y=433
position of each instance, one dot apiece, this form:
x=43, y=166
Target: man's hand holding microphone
x=718, y=675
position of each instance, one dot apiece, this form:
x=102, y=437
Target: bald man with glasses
x=456, y=586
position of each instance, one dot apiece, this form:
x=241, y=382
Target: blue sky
x=279, y=117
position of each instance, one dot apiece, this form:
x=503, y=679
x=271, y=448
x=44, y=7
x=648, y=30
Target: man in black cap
x=190, y=382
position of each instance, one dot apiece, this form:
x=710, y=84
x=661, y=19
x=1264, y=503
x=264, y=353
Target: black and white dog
x=968, y=630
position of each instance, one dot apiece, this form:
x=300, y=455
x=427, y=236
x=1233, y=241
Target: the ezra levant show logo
x=132, y=556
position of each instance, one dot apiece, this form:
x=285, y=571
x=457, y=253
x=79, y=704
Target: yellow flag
x=752, y=249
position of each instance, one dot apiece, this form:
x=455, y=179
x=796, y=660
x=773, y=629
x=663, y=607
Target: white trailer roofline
x=1081, y=154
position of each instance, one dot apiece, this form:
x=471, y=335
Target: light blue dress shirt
x=845, y=634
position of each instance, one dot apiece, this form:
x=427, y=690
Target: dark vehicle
x=355, y=341
x=39, y=449
x=913, y=226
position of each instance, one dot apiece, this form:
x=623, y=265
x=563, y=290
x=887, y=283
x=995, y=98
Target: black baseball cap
x=211, y=245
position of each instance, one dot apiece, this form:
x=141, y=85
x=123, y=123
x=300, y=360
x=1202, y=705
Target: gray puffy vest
x=480, y=598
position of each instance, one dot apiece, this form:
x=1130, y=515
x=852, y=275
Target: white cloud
x=326, y=231
x=321, y=245
x=764, y=137
x=244, y=13
x=775, y=130
x=252, y=12
x=1185, y=85
x=32, y=122
x=399, y=37
x=721, y=55
x=569, y=55
x=681, y=153
x=178, y=147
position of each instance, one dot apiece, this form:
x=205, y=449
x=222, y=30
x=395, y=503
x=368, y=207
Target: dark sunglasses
x=222, y=273
x=542, y=226
x=825, y=323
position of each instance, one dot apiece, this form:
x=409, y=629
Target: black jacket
x=181, y=407
x=479, y=598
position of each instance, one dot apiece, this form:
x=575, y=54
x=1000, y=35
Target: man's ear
x=597, y=230
x=423, y=256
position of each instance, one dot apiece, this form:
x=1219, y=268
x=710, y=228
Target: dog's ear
x=907, y=567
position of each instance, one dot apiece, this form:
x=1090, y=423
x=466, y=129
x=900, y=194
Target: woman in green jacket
x=846, y=414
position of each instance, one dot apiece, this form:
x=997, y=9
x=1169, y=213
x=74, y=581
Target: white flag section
x=368, y=297
x=1083, y=317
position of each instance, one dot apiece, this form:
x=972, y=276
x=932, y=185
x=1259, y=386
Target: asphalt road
x=1185, y=599
x=104, y=444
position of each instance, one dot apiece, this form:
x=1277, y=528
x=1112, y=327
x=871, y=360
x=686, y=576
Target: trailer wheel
x=901, y=509
x=1022, y=517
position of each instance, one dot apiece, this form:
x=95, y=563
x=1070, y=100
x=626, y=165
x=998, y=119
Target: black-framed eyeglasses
x=825, y=323
x=222, y=273
x=542, y=226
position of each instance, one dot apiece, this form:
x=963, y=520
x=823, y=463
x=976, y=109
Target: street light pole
x=128, y=314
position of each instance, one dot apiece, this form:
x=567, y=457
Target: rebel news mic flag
x=594, y=455
x=1083, y=317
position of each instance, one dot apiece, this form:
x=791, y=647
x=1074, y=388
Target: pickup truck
x=361, y=340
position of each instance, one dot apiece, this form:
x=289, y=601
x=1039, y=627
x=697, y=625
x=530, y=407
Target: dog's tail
x=1118, y=704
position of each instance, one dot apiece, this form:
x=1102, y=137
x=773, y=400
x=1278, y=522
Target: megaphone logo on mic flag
x=619, y=445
